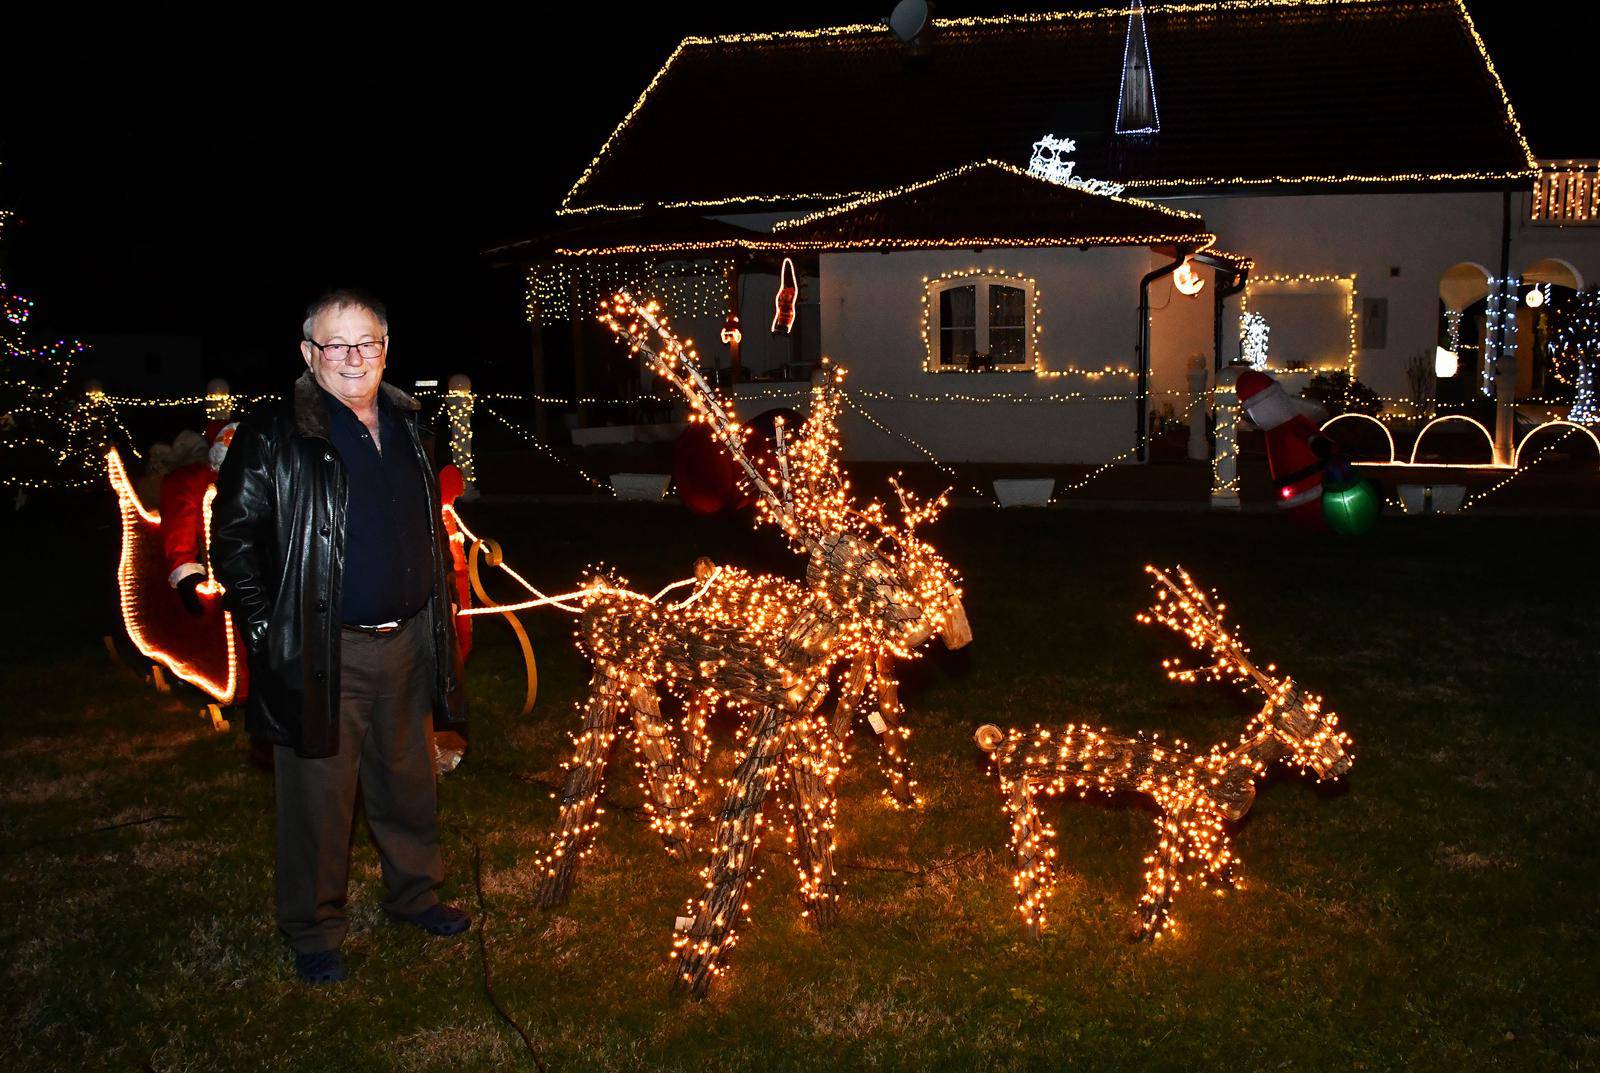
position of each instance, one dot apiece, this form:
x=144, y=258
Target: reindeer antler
x=633, y=321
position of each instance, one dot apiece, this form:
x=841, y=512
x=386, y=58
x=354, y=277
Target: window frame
x=933, y=328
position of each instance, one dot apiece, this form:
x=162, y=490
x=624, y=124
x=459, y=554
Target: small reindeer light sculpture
x=1196, y=793
x=765, y=646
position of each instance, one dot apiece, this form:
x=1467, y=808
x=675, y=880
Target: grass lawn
x=1436, y=913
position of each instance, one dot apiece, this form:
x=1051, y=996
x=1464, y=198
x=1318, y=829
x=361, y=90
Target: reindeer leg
x=886, y=721
x=1162, y=875
x=671, y=790
x=696, y=733
x=585, y=775
x=699, y=948
x=1030, y=841
x=1209, y=844
x=854, y=684
x=812, y=759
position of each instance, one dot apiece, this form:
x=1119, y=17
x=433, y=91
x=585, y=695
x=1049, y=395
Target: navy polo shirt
x=388, y=543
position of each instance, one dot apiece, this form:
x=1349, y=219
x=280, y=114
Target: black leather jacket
x=277, y=544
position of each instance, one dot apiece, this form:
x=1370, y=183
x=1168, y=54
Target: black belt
x=382, y=628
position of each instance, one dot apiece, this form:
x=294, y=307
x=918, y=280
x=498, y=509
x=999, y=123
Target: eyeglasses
x=341, y=351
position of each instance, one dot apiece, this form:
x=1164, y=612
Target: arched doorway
x=1463, y=298
x=1548, y=287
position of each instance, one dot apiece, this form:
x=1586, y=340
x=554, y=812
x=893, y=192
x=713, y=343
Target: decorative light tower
x=1136, y=99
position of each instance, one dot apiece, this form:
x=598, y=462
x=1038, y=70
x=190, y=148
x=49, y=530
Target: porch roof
x=635, y=233
x=990, y=203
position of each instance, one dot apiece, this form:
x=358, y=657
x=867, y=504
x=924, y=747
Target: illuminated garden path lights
x=762, y=646
x=1195, y=792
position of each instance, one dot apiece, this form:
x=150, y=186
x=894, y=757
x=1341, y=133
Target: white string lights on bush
x=1576, y=353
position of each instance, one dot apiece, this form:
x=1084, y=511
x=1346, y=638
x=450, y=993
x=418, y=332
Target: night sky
x=207, y=180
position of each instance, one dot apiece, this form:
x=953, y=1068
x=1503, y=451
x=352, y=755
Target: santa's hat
x=1265, y=402
x=451, y=484
x=219, y=434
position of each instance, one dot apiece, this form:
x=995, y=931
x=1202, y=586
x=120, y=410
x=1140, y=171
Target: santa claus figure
x=183, y=520
x=1298, y=454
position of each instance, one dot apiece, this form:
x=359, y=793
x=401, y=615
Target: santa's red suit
x=192, y=627
x=183, y=501
x=451, y=485
x=1298, y=454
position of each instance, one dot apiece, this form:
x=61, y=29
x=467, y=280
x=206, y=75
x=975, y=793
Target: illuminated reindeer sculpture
x=764, y=646
x=1195, y=792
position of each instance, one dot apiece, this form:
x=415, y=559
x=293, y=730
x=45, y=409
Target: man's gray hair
x=343, y=299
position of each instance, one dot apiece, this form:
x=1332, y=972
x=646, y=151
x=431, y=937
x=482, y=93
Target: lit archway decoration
x=1516, y=458
x=1487, y=438
x=203, y=650
x=1326, y=425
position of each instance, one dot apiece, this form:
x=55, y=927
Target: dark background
x=198, y=179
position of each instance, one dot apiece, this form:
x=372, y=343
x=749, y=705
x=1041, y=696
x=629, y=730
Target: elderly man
x=327, y=533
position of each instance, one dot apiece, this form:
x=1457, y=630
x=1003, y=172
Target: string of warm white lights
x=760, y=645
x=1031, y=22
x=457, y=408
x=556, y=288
x=1478, y=497
x=547, y=450
x=1195, y=793
x=1347, y=284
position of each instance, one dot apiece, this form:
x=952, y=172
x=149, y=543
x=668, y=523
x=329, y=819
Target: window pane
x=1008, y=346
x=958, y=307
x=957, y=345
x=1007, y=307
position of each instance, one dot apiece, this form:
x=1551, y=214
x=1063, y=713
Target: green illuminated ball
x=1350, y=508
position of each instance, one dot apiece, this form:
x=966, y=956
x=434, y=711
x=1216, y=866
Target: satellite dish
x=908, y=19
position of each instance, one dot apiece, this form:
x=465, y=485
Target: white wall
x=1088, y=304
x=1371, y=235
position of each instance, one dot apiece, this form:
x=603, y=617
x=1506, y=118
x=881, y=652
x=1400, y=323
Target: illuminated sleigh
x=203, y=650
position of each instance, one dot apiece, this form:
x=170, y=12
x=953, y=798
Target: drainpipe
x=1143, y=348
x=1505, y=372
x=1221, y=295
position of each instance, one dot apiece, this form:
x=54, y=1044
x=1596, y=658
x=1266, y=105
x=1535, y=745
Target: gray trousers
x=385, y=713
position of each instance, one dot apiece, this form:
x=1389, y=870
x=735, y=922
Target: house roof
x=1253, y=94
x=991, y=204
x=640, y=232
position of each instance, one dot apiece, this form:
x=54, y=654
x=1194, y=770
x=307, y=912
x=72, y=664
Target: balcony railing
x=1566, y=194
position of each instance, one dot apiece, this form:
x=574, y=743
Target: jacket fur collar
x=311, y=413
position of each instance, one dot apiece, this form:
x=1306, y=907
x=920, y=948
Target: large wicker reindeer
x=764, y=646
x=1195, y=793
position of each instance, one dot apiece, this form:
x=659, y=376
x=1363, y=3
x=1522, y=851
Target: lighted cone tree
x=766, y=647
x=1576, y=350
x=1196, y=793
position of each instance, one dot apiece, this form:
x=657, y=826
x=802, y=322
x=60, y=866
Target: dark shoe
x=438, y=919
x=321, y=967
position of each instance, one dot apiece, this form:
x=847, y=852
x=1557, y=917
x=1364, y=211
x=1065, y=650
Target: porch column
x=1225, y=463
x=580, y=359
x=1505, y=366
x=736, y=341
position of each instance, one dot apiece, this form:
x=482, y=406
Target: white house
x=1350, y=171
